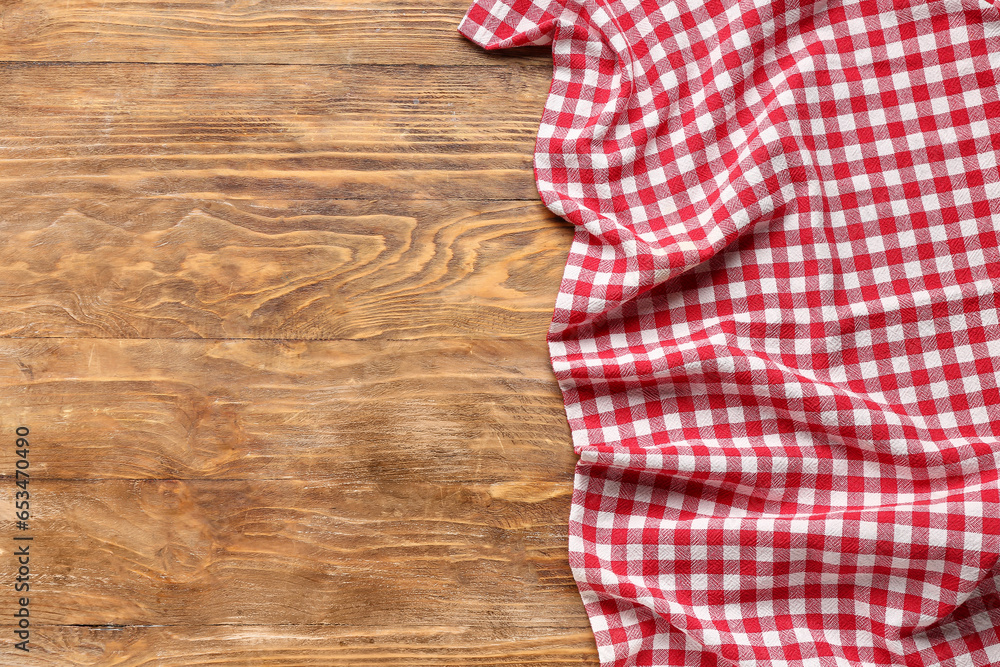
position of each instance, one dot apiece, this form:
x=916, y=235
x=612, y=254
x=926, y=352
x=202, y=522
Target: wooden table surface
x=274, y=289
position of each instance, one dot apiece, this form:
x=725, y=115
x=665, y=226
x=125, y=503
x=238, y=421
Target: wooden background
x=274, y=287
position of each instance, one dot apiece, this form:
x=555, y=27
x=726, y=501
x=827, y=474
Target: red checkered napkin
x=778, y=332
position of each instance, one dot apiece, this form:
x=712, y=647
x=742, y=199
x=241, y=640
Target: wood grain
x=274, y=288
x=246, y=31
x=303, y=646
x=197, y=552
x=270, y=132
x=231, y=490
x=177, y=267
x=389, y=412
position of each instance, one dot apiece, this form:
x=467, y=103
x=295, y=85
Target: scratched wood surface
x=268, y=131
x=395, y=32
x=274, y=288
x=313, y=269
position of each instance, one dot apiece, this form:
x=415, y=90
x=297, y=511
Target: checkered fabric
x=778, y=331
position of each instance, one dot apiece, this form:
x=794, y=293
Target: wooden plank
x=270, y=132
x=178, y=267
x=303, y=646
x=394, y=413
x=267, y=552
x=317, y=32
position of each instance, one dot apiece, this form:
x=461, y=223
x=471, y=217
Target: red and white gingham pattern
x=778, y=332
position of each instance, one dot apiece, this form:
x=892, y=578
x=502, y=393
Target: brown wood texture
x=394, y=412
x=274, y=288
x=271, y=132
x=395, y=32
x=303, y=269
x=313, y=645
